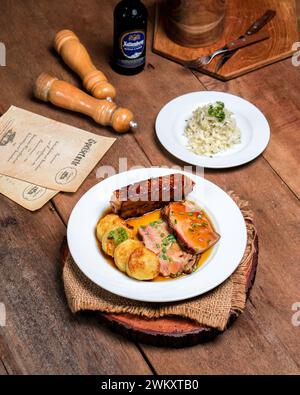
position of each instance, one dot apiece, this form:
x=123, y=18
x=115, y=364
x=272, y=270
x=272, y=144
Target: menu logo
x=66, y=175
x=33, y=192
x=2, y=55
x=296, y=316
x=8, y=137
x=2, y=314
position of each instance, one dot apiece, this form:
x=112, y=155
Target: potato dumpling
x=123, y=252
x=143, y=264
x=115, y=236
x=106, y=223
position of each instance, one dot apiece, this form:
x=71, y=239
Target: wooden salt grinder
x=75, y=55
x=62, y=94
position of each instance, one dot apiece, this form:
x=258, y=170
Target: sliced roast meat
x=154, y=234
x=191, y=226
x=173, y=260
x=148, y=195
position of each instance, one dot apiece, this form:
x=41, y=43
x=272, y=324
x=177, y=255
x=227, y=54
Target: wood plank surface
x=271, y=317
x=42, y=336
x=3, y=371
x=263, y=336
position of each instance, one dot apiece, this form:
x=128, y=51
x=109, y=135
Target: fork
x=232, y=45
x=253, y=29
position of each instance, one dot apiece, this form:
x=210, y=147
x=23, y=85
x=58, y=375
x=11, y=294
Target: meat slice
x=173, y=260
x=148, y=195
x=191, y=226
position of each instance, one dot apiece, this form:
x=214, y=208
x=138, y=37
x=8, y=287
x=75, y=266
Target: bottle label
x=133, y=44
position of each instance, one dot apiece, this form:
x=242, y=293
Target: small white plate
x=255, y=131
x=224, y=259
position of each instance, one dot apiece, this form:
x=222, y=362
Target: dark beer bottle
x=130, y=29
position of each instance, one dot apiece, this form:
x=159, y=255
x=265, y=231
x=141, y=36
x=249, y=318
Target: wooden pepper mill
x=75, y=55
x=62, y=94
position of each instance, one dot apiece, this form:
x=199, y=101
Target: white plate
x=255, y=131
x=226, y=255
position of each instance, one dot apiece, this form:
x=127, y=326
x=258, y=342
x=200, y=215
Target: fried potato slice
x=123, y=252
x=106, y=223
x=115, y=236
x=143, y=264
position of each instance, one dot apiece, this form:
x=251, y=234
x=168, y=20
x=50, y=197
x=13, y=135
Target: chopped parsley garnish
x=119, y=235
x=156, y=222
x=169, y=239
x=157, y=245
x=217, y=110
x=175, y=221
x=175, y=275
x=195, y=224
x=190, y=214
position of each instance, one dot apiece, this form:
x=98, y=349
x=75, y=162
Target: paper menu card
x=27, y=195
x=47, y=153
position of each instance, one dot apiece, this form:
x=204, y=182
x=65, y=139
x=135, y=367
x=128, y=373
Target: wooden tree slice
x=282, y=30
x=167, y=331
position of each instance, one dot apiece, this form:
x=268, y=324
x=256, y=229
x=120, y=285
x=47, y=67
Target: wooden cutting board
x=167, y=331
x=240, y=15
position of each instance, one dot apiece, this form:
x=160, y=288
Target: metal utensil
x=233, y=45
x=254, y=28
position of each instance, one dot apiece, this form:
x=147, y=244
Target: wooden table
x=41, y=335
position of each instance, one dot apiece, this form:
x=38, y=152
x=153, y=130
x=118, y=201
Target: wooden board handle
x=75, y=55
x=62, y=94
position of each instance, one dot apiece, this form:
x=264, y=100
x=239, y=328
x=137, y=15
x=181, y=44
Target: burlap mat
x=211, y=309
